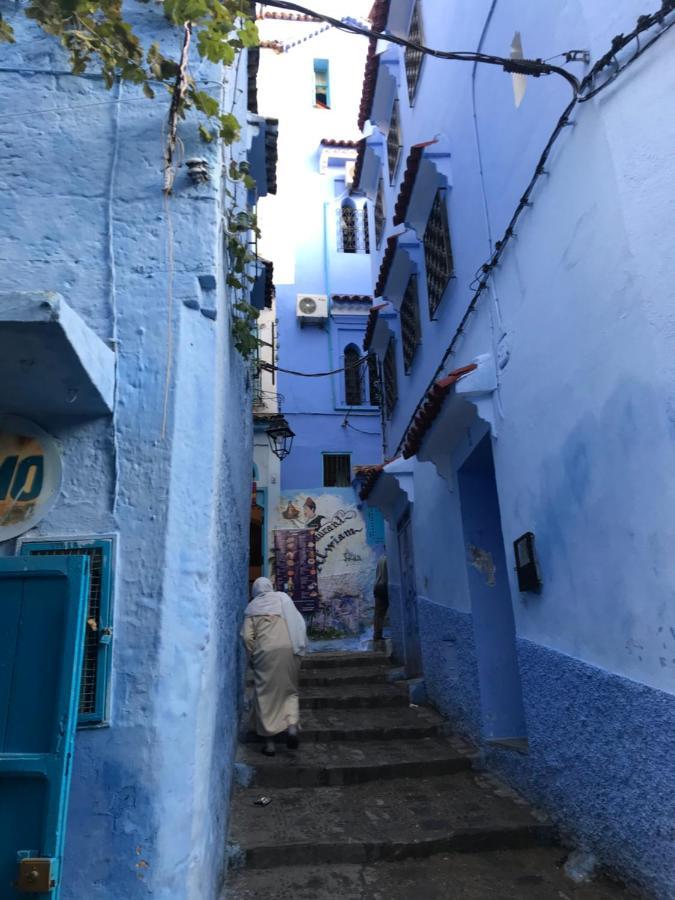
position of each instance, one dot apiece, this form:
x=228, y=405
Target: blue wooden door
x=42, y=621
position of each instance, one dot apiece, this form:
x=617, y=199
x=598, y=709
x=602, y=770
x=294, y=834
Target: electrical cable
x=270, y=366
x=534, y=67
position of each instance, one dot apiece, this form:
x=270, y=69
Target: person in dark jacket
x=381, y=593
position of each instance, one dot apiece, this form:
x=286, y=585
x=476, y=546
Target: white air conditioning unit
x=311, y=308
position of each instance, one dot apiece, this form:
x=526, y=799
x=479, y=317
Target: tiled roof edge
x=429, y=409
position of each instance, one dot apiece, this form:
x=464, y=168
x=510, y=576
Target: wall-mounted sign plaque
x=30, y=475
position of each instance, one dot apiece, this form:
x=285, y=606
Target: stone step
x=343, y=660
x=371, y=724
x=352, y=696
x=349, y=675
x=534, y=873
x=351, y=763
x=367, y=725
x=379, y=820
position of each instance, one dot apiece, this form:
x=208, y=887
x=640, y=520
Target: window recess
x=337, y=470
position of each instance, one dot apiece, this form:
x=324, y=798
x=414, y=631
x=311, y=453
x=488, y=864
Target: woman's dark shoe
x=292, y=739
x=268, y=748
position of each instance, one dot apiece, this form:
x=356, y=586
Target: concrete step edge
x=271, y=776
x=468, y=840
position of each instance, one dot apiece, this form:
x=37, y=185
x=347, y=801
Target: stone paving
x=381, y=803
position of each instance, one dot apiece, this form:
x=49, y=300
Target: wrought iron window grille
x=394, y=142
x=414, y=58
x=410, y=323
x=379, y=214
x=348, y=226
x=437, y=252
x=353, y=376
x=373, y=380
x=389, y=378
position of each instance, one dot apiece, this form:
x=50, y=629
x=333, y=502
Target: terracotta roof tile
x=379, y=14
x=288, y=17
x=277, y=46
x=369, y=81
x=352, y=298
x=429, y=409
x=358, y=165
x=336, y=142
x=372, y=474
x=385, y=268
x=408, y=183
x=370, y=325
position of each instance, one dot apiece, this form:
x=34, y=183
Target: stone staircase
x=382, y=803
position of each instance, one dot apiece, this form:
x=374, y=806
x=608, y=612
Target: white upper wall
x=286, y=92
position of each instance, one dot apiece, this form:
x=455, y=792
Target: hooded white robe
x=275, y=636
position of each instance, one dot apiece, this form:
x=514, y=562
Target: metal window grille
x=348, y=226
x=379, y=214
x=437, y=252
x=95, y=678
x=366, y=231
x=410, y=322
x=389, y=376
x=394, y=145
x=413, y=58
x=337, y=470
x=353, y=377
x=373, y=380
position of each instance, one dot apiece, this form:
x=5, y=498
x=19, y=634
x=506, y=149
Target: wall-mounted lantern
x=280, y=437
x=526, y=563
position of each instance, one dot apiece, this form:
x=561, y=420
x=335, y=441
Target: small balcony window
x=321, y=84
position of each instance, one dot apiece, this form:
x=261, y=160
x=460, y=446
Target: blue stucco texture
x=600, y=746
x=449, y=663
x=601, y=762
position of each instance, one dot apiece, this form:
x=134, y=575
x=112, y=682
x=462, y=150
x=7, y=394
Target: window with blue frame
x=96, y=664
x=321, y=84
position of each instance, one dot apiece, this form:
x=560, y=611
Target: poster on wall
x=345, y=559
x=295, y=567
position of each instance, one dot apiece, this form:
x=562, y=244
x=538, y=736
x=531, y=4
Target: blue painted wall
x=579, y=320
x=85, y=216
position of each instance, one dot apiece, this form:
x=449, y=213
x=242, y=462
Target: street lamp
x=280, y=436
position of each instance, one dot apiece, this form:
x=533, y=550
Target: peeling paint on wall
x=481, y=560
